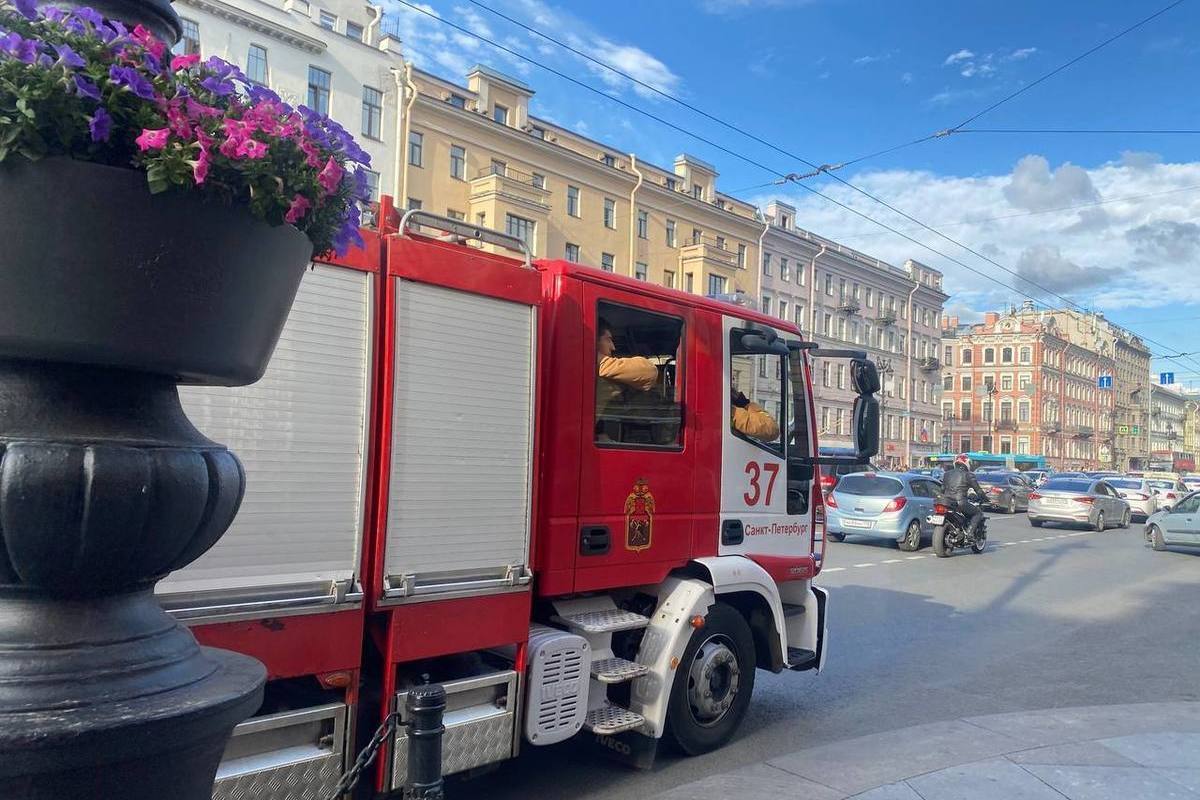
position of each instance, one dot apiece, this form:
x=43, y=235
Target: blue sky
x=831, y=80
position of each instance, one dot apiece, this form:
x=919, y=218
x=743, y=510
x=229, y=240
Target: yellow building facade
x=474, y=152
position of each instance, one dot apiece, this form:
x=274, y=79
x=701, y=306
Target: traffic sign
x=1166, y=378
x=1135, y=429
x=1122, y=430
x=1104, y=382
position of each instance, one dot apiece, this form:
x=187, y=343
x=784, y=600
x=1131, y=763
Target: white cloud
x=438, y=48
x=874, y=59
x=970, y=65
x=907, y=77
x=1135, y=241
x=1022, y=53
x=954, y=58
x=737, y=6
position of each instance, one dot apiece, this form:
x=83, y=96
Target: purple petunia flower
x=54, y=13
x=24, y=50
x=260, y=93
x=67, y=56
x=133, y=80
x=85, y=88
x=100, y=125
x=89, y=15
x=217, y=86
x=26, y=8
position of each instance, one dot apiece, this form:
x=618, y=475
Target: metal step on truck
x=583, y=504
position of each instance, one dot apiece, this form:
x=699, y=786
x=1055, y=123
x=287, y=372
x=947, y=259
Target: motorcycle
x=950, y=528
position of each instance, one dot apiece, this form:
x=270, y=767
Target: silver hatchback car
x=1078, y=501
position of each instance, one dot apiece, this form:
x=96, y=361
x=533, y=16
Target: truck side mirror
x=865, y=377
x=866, y=424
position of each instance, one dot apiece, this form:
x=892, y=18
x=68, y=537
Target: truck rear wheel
x=713, y=683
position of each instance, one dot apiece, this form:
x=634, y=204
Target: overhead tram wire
x=760, y=165
x=1087, y=131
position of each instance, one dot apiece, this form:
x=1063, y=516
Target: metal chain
x=365, y=758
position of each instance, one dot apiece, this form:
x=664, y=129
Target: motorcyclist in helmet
x=957, y=484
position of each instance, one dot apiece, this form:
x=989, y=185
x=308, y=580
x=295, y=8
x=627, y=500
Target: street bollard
x=424, y=708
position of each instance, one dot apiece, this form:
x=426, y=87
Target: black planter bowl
x=168, y=284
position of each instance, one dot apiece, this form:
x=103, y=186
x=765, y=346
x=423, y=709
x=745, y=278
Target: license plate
x=858, y=523
x=936, y=519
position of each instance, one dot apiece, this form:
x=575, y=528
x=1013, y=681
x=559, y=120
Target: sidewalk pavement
x=1148, y=751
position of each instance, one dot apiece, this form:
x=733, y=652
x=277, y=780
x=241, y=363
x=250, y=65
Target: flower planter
x=109, y=297
x=167, y=283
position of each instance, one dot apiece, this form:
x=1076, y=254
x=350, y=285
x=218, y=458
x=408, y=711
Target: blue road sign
x=1166, y=378
x=1104, y=382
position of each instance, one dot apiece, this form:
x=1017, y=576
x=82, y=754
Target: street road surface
x=1047, y=617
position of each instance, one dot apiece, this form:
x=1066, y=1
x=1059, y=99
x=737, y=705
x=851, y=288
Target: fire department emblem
x=639, y=516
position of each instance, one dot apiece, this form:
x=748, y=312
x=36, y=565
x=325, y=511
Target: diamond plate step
x=609, y=720
x=617, y=670
x=606, y=621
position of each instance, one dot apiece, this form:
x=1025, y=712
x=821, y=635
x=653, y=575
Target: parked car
x=1168, y=490
x=1192, y=482
x=1079, y=501
x=1178, y=526
x=1137, y=492
x=882, y=505
x=1006, y=491
x=1036, y=476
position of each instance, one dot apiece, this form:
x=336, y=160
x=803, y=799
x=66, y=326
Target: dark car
x=1006, y=491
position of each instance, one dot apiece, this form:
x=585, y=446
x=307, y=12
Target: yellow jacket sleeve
x=636, y=372
x=754, y=422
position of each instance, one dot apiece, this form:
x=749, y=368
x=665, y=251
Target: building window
x=670, y=233
x=609, y=161
x=841, y=376
x=799, y=320
x=539, y=181
x=457, y=100
x=639, y=270
x=572, y=253
x=416, y=148
x=669, y=278
x=947, y=410
x=537, y=133
x=256, y=64
x=785, y=269
x=499, y=167
x=607, y=262
x=414, y=204
x=670, y=183
x=1006, y=355
x=458, y=162
x=610, y=213
x=458, y=215
x=1024, y=382
x=688, y=283
x=827, y=326
x=521, y=228
x=189, y=41
x=948, y=356
x=828, y=285
x=766, y=261
x=766, y=304
x=372, y=183
x=698, y=192
x=643, y=224
x=870, y=298
x=966, y=383
x=372, y=113
x=783, y=309
x=964, y=444
x=989, y=355
x=741, y=256
x=328, y=21
x=354, y=31
x=1026, y=355
x=964, y=412
x=1006, y=383
x=948, y=382
x=1023, y=412
x=500, y=114
x=318, y=90
x=826, y=368
x=966, y=355
x=573, y=201
x=716, y=285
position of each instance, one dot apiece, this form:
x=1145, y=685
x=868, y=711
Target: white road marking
x=1079, y=533
x=865, y=565
x=1025, y=541
x=914, y=558
x=833, y=569
x=892, y=561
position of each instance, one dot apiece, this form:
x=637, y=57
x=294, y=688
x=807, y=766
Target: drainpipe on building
x=812, y=289
x=909, y=387
x=401, y=143
x=377, y=12
x=633, y=215
x=758, y=268
x=411, y=97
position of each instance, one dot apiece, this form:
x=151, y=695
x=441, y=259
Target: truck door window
x=639, y=378
x=756, y=397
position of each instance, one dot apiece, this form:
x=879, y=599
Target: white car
x=1167, y=490
x=1138, y=493
x=1179, y=525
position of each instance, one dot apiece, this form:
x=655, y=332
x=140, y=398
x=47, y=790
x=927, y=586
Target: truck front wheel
x=713, y=683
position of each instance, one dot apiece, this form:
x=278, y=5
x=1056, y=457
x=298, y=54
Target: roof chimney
x=991, y=318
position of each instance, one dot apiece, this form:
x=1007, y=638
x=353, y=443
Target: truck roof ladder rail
x=465, y=230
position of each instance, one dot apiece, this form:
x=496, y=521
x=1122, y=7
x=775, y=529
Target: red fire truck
x=441, y=488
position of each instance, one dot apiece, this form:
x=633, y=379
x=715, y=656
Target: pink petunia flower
x=297, y=209
x=200, y=166
x=152, y=139
x=184, y=62
x=331, y=176
x=251, y=148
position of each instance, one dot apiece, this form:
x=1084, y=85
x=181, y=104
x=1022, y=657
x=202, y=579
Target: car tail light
x=1087, y=500
x=1143, y=497
x=1034, y=496
x=938, y=508
x=996, y=490
x=828, y=481
x=1170, y=495
x=896, y=504
x=830, y=502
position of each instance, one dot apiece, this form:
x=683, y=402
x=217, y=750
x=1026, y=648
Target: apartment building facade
x=843, y=298
x=1172, y=418
x=1015, y=383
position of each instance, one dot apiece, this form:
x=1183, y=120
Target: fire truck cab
x=580, y=502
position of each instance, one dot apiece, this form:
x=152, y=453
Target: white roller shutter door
x=301, y=435
x=459, y=493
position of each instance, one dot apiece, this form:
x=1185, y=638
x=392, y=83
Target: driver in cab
x=619, y=375
x=749, y=419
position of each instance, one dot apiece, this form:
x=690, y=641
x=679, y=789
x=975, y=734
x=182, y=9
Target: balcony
x=886, y=318
x=1006, y=425
x=848, y=306
x=929, y=364
x=706, y=252
x=1052, y=427
x=505, y=183
x=1081, y=431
